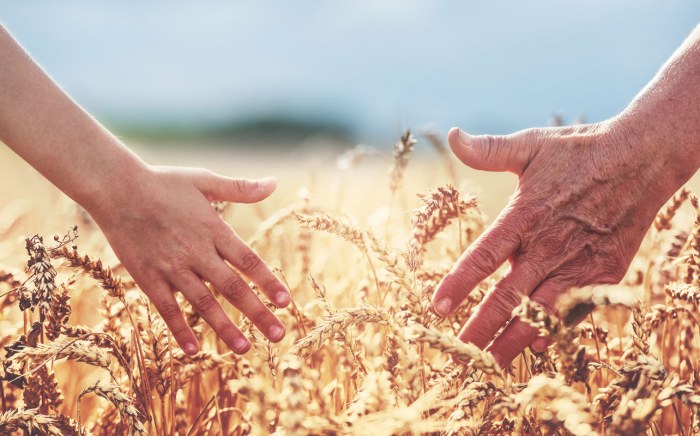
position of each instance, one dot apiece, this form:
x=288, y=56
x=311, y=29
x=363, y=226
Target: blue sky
x=379, y=65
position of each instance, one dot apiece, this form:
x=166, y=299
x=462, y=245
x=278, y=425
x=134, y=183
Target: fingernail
x=443, y=306
x=283, y=298
x=539, y=345
x=241, y=345
x=190, y=349
x=264, y=184
x=268, y=181
x=276, y=332
x=465, y=138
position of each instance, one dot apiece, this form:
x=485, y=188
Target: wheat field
x=361, y=239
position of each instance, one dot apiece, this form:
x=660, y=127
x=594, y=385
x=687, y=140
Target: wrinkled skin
x=586, y=196
x=169, y=238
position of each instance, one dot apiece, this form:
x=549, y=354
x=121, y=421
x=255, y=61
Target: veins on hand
x=589, y=224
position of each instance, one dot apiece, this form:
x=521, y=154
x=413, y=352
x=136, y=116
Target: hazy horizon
x=376, y=66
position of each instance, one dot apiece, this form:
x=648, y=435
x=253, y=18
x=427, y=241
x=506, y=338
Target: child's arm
x=158, y=220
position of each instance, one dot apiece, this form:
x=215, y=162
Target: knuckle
x=169, y=311
x=546, y=303
x=179, y=329
x=482, y=261
x=534, y=267
x=204, y=302
x=146, y=275
x=177, y=264
x=526, y=219
x=610, y=273
x=249, y=261
x=262, y=318
x=226, y=331
x=274, y=283
x=234, y=288
x=226, y=235
x=503, y=231
x=240, y=186
x=504, y=300
x=180, y=261
x=552, y=291
x=461, y=282
x=202, y=173
x=521, y=334
x=476, y=336
x=569, y=276
x=490, y=144
x=531, y=134
x=528, y=138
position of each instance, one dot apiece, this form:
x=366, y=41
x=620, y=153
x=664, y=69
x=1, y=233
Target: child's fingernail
x=264, y=185
x=276, y=332
x=267, y=181
x=283, y=298
x=241, y=345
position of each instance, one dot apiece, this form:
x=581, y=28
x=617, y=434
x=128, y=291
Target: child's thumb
x=238, y=190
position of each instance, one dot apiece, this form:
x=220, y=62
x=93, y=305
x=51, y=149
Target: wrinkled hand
x=164, y=230
x=585, y=199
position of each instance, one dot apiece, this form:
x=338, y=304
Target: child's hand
x=163, y=228
x=158, y=220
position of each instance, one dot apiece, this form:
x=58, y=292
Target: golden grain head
x=364, y=354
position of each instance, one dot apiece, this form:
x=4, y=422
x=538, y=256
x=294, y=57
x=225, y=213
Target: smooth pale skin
x=158, y=220
x=586, y=196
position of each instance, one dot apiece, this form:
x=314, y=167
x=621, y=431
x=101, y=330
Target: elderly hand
x=585, y=199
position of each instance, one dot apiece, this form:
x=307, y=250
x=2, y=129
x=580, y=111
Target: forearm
x=55, y=135
x=666, y=113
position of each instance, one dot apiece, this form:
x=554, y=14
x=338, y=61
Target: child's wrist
x=115, y=188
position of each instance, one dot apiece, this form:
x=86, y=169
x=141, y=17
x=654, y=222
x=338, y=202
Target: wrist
x=654, y=137
x=116, y=184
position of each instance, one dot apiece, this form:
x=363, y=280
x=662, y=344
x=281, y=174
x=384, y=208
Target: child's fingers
x=252, y=266
x=164, y=300
x=209, y=308
x=237, y=291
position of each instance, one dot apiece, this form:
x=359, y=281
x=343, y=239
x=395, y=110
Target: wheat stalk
x=29, y=420
x=122, y=402
x=108, y=280
x=347, y=367
x=338, y=322
x=78, y=350
x=293, y=397
x=402, y=155
x=465, y=352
